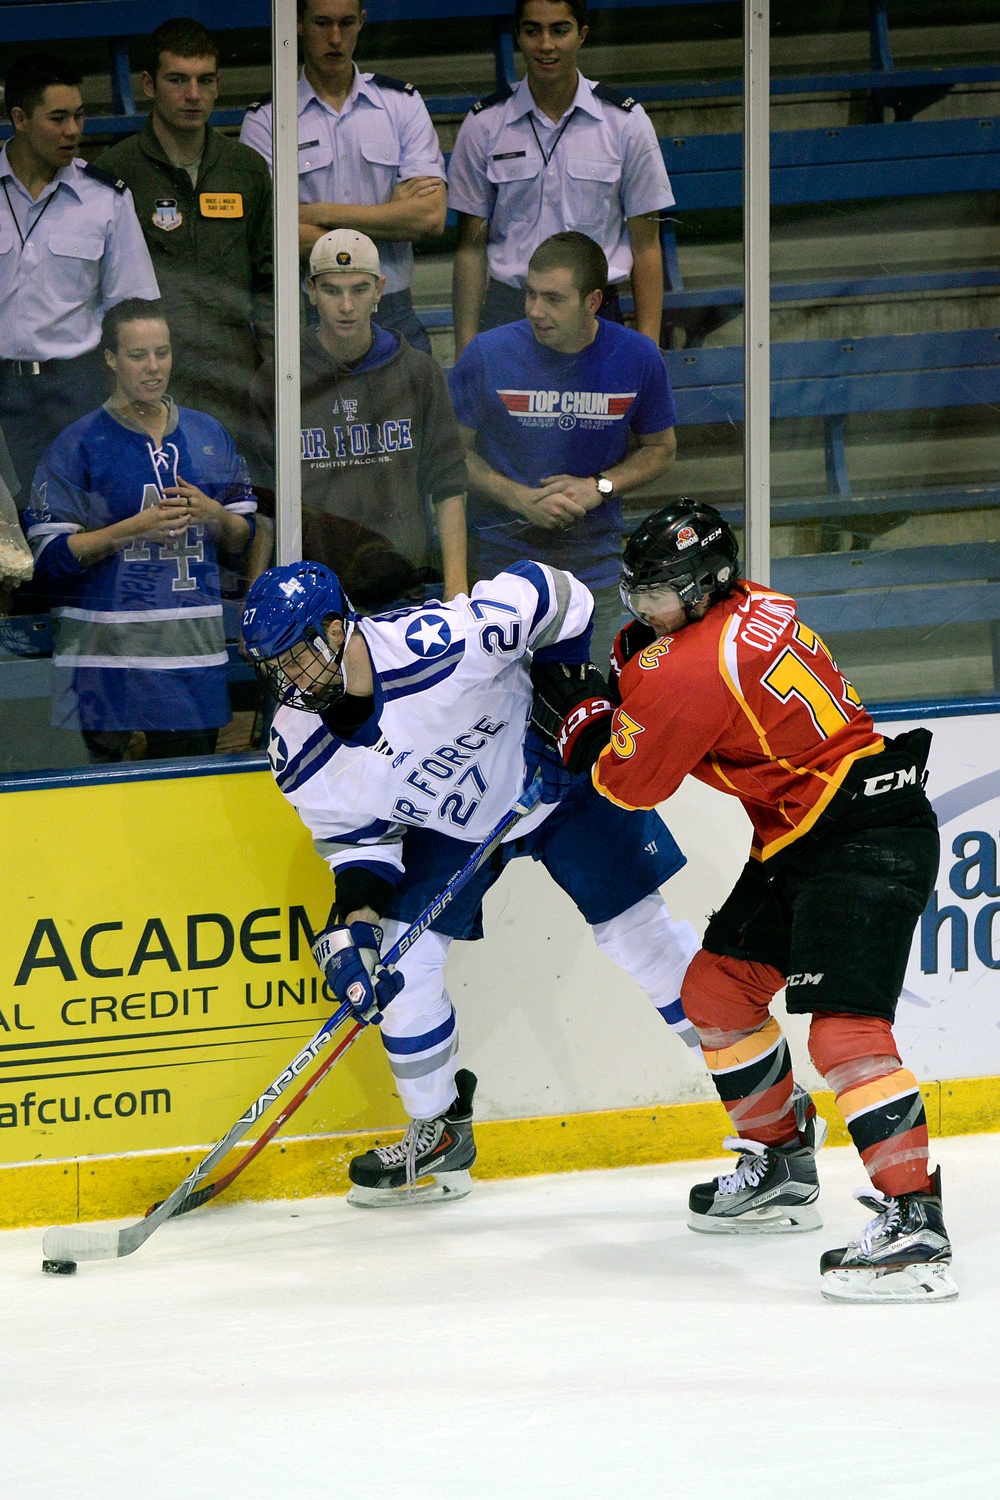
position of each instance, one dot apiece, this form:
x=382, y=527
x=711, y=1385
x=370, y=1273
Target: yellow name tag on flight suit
x=221, y=205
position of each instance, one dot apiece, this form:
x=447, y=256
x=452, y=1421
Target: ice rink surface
x=553, y=1337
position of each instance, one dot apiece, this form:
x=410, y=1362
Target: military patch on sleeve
x=166, y=214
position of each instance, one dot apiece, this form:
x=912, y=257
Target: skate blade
x=775, y=1219
x=926, y=1283
x=427, y=1190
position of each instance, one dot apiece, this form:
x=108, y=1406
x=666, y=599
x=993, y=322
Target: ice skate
x=773, y=1191
x=903, y=1255
x=429, y=1164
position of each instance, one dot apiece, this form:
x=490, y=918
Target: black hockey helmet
x=687, y=548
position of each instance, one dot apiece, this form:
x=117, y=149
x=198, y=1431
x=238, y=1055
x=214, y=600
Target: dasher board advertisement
x=156, y=968
x=948, y=1020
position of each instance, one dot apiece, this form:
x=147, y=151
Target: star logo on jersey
x=277, y=751
x=429, y=636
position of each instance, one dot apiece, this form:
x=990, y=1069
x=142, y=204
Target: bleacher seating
x=831, y=379
x=903, y=91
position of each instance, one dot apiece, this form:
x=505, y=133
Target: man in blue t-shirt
x=545, y=407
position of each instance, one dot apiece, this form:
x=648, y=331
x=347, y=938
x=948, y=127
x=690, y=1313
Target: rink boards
x=156, y=975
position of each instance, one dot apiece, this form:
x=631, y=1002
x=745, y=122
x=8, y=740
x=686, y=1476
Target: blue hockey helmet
x=283, y=627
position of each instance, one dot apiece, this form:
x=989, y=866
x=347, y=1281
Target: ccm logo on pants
x=802, y=979
x=891, y=781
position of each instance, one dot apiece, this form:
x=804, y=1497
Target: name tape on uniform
x=221, y=205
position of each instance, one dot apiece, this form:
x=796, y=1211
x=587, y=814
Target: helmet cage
x=309, y=675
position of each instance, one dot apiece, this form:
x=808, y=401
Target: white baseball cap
x=344, y=251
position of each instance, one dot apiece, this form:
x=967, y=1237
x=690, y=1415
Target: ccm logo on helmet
x=891, y=781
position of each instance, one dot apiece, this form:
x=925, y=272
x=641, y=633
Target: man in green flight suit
x=204, y=203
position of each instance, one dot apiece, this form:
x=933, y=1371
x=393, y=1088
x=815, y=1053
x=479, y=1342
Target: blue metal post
x=122, y=97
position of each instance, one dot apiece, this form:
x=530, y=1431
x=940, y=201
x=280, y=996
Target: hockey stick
x=206, y=1194
x=73, y=1243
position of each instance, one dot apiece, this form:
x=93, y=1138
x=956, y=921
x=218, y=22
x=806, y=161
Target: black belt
x=29, y=366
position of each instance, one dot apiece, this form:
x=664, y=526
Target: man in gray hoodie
x=380, y=445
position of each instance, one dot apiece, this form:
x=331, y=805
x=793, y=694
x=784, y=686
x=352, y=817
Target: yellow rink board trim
x=107, y=1187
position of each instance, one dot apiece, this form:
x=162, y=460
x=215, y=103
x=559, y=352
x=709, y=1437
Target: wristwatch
x=605, y=486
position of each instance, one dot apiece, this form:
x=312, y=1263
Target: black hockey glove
x=571, y=711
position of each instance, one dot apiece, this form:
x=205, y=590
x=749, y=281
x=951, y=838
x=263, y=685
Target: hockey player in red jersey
x=718, y=678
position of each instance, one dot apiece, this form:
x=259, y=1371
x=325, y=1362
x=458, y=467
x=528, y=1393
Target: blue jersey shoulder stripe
x=314, y=754
x=534, y=575
x=422, y=684
x=420, y=666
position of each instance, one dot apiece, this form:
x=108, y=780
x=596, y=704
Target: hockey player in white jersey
x=400, y=740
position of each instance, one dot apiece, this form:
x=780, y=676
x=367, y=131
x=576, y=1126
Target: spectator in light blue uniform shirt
x=560, y=152
x=70, y=248
x=369, y=157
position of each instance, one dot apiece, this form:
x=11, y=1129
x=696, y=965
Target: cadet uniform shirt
x=600, y=166
x=65, y=258
x=749, y=701
x=537, y=412
x=383, y=135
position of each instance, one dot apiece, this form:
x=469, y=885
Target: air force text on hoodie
x=138, y=638
x=443, y=749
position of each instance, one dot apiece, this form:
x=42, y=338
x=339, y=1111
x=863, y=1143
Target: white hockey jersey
x=452, y=702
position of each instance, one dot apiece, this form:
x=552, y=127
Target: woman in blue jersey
x=130, y=508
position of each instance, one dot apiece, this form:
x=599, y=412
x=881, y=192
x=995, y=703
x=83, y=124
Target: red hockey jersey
x=750, y=701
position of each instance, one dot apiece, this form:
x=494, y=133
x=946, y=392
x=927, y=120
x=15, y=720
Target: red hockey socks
x=879, y=1099
x=726, y=1000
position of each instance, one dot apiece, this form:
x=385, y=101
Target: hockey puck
x=59, y=1267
